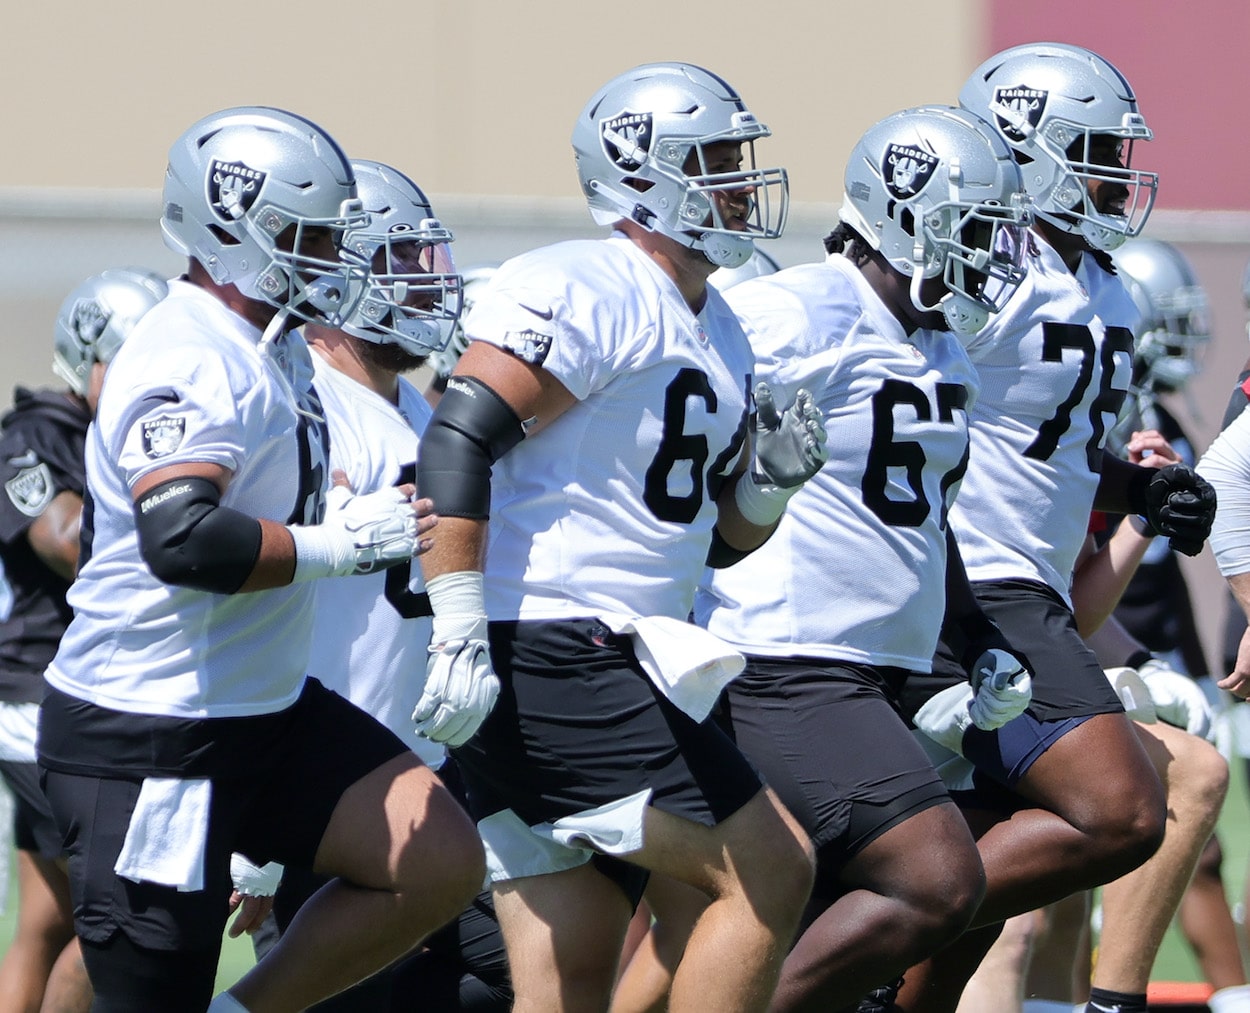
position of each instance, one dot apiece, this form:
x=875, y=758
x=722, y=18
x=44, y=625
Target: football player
x=600, y=422
x=928, y=248
x=1054, y=368
x=372, y=632
x=41, y=464
x=179, y=726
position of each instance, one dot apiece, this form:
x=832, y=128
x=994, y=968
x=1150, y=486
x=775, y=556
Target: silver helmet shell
x=1050, y=102
x=1176, y=316
x=243, y=189
x=97, y=316
x=937, y=192
x=641, y=148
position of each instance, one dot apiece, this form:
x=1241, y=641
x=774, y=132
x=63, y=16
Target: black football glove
x=1180, y=504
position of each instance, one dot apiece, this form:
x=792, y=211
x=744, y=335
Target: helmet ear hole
x=222, y=236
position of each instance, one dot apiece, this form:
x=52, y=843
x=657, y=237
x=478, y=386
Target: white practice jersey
x=1226, y=465
x=192, y=385
x=856, y=569
x=373, y=631
x=609, y=511
x=1054, y=368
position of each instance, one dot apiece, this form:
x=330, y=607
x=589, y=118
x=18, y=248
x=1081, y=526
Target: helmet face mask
x=1071, y=118
x=937, y=193
x=261, y=198
x=412, y=293
x=96, y=317
x=660, y=144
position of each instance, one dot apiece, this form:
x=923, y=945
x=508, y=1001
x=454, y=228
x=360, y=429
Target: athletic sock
x=226, y=1003
x=1235, y=999
x=1103, y=1000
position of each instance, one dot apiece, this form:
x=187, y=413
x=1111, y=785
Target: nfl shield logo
x=163, y=435
x=232, y=189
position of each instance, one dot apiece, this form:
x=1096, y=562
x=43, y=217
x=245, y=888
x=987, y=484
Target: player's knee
x=1198, y=779
x=444, y=869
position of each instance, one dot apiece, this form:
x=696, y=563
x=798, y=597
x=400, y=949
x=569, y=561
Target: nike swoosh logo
x=543, y=314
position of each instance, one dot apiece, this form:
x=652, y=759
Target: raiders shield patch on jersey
x=232, y=189
x=530, y=346
x=163, y=435
x=30, y=490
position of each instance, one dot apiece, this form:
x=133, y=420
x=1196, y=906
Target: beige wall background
x=475, y=99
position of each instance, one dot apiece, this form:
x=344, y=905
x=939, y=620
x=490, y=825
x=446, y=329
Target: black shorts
x=578, y=725
x=828, y=739
x=1068, y=681
x=277, y=811
x=34, y=829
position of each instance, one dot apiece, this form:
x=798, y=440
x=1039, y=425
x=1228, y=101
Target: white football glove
x=1003, y=689
x=945, y=716
x=360, y=534
x=1177, y=698
x=790, y=447
x=460, y=685
x=253, y=880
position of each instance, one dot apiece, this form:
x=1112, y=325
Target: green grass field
x=1175, y=962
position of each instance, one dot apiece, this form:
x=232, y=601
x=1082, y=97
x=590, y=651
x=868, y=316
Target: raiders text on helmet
x=936, y=191
x=1051, y=102
x=641, y=146
x=243, y=190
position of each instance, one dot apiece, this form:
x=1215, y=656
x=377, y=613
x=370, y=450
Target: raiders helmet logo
x=31, y=490
x=87, y=322
x=1016, y=107
x=627, y=139
x=163, y=435
x=906, y=170
x=233, y=189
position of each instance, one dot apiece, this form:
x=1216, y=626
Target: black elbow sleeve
x=187, y=538
x=471, y=429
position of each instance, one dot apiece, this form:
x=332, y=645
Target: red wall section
x=1189, y=63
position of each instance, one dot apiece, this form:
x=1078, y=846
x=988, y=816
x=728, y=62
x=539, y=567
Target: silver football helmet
x=97, y=316
x=246, y=192
x=936, y=191
x=412, y=291
x=473, y=281
x=1176, y=316
x=1050, y=102
x=641, y=146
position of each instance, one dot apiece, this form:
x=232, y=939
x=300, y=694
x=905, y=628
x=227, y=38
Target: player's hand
x=378, y=529
x=790, y=446
x=1177, y=698
x=1237, y=682
x=254, y=887
x=460, y=685
x=1149, y=448
x=1002, y=689
x=1180, y=503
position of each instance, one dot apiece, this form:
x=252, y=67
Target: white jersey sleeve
x=610, y=509
x=372, y=632
x=1054, y=367
x=191, y=385
x=1226, y=465
x=856, y=568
